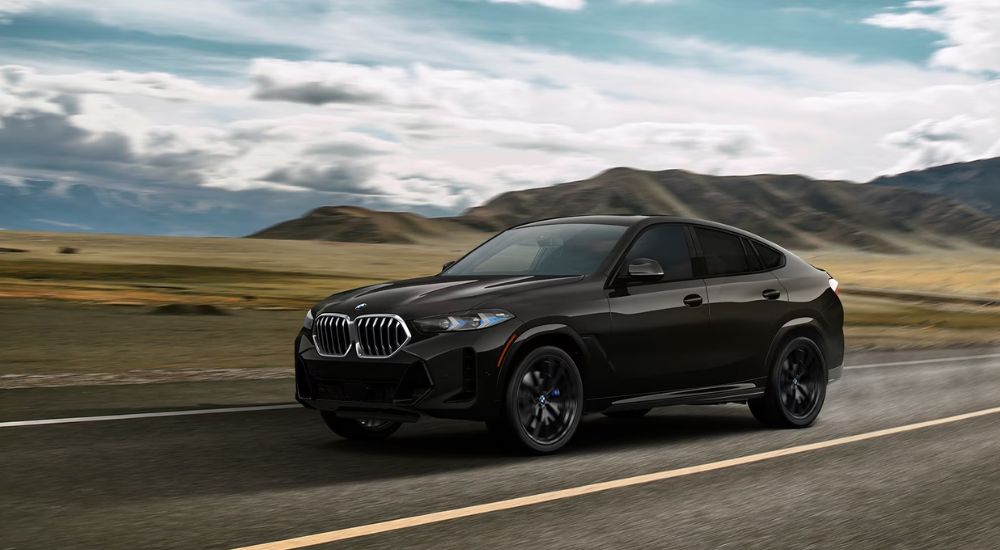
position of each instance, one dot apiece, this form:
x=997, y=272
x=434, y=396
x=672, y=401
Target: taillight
x=835, y=285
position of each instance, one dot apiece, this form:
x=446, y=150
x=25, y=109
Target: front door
x=659, y=328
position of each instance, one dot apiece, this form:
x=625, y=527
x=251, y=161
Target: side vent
x=468, y=376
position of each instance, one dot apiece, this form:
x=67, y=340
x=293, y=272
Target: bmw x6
x=551, y=320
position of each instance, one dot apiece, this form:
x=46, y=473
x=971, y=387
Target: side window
x=667, y=244
x=723, y=252
x=769, y=257
x=752, y=259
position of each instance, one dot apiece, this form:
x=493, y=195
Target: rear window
x=723, y=252
x=769, y=257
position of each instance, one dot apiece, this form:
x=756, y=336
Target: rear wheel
x=544, y=401
x=360, y=428
x=796, y=387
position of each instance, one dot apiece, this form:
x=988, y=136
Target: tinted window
x=723, y=252
x=667, y=244
x=752, y=260
x=556, y=249
x=770, y=257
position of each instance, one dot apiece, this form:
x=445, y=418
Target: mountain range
x=976, y=183
x=36, y=205
x=943, y=206
x=796, y=211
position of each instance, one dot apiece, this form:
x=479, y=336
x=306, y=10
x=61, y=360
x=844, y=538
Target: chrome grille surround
x=331, y=334
x=380, y=335
x=373, y=336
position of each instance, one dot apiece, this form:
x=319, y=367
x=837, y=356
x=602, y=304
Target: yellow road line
x=479, y=509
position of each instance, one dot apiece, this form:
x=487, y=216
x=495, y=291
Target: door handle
x=692, y=300
x=771, y=294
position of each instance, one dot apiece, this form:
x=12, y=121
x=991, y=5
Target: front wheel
x=796, y=387
x=363, y=429
x=544, y=401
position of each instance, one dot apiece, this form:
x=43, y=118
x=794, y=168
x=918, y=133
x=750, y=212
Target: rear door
x=659, y=328
x=746, y=300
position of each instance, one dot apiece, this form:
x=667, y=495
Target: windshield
x=549, y=250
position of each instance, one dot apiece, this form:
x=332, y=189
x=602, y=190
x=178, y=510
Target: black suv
x=551, y=320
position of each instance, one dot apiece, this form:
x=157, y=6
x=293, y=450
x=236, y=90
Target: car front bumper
x=448, y=375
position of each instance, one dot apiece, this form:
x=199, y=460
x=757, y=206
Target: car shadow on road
x=597, y=434
x=288, y=450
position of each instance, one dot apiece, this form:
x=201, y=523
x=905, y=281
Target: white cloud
x=414, y=87
x=406, y=134
x=414, y=134
x=932, y=142
x=433, y=118
x=48, y=131
x=971, y=29
x=14, y=7
x=124, y=83
x=423, y=106
x=554, y=4
x=710, y=147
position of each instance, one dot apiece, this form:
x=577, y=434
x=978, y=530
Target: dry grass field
x=966, y=271
x=87, y=317
x=222, y=271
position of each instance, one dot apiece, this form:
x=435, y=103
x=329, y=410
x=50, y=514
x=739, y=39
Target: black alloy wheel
x=366, y=429
x=544, y=400
x=799, y=380
x=796, y=388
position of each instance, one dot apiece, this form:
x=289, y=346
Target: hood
x=417, y=298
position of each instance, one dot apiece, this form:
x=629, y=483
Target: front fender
x=526, y=338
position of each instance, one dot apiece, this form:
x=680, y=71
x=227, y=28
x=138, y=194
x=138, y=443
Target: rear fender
x=806, y=326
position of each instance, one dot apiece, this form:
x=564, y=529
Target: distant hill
x=36, y=205
x=976, y=183
x=795, y=211
x=356, y=224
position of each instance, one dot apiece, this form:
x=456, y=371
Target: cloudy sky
x=267, y=108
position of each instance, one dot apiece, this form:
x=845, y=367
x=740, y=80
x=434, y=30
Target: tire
x=631, y=413
x=796, y=386
x=363, y=430
x=543, y=402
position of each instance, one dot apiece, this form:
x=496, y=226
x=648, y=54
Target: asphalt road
x=243, y=478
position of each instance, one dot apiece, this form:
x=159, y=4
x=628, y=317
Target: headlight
x=470, y=320
x=308, y=323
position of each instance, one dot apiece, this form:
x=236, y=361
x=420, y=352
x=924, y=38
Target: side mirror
x=644, y=269
x=447, y=265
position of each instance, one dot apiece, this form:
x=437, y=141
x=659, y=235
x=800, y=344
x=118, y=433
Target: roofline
x=644, y=220
x=622, y=219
